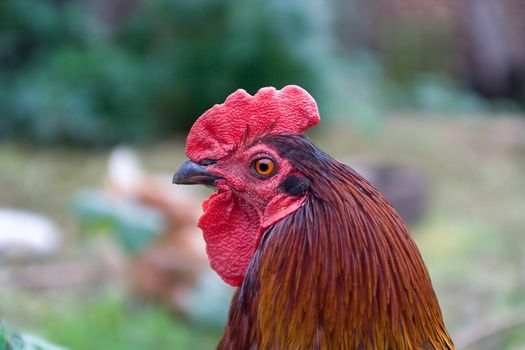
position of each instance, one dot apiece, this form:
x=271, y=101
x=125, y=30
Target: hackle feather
x=341, y=272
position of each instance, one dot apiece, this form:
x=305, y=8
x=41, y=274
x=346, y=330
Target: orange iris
x=264, y=166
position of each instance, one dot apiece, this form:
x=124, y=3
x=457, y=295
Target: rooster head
x=255, y=185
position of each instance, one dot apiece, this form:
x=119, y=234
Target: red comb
x=289, y=111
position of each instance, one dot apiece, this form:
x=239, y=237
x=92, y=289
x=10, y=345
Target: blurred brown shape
x=405, y=187
x=168, y=269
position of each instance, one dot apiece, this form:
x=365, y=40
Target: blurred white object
x=33, y=342
x=124, y=168
x=27, y=234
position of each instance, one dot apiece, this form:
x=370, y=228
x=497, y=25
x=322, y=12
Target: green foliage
x=436, y=94
x=133, y=226
x=70, y=76
x=109, y=323
x=9, y=340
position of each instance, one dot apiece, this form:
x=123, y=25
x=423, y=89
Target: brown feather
x=342, y=272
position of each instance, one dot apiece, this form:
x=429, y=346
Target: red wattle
x=231, y=232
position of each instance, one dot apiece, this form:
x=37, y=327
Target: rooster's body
x=322, y=260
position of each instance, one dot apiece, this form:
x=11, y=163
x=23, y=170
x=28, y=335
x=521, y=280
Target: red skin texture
x=236, y=216
x=245, y=204
x=242, y=116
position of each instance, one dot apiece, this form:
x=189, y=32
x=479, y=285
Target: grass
x=109, y=322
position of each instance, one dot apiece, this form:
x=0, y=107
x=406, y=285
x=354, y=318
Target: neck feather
x=340, y=272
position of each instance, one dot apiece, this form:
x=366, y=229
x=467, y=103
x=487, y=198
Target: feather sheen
x=341, y=272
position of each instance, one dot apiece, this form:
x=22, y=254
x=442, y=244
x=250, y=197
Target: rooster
x=321, y=259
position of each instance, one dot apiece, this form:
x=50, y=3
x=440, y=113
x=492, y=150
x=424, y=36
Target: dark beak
x=191, y=173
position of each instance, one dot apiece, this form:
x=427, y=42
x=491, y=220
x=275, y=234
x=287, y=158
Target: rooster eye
x=264, y=166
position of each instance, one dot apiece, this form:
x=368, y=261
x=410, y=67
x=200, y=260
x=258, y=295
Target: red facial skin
x=244, y=205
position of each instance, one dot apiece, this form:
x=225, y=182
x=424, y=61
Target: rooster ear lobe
x=280, y=207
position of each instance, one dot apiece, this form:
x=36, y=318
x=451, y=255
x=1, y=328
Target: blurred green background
x=426, y=98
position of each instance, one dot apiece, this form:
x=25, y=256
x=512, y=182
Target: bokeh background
x=99, y=251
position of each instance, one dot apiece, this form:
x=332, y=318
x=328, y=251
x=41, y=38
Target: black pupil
x=264, y=167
